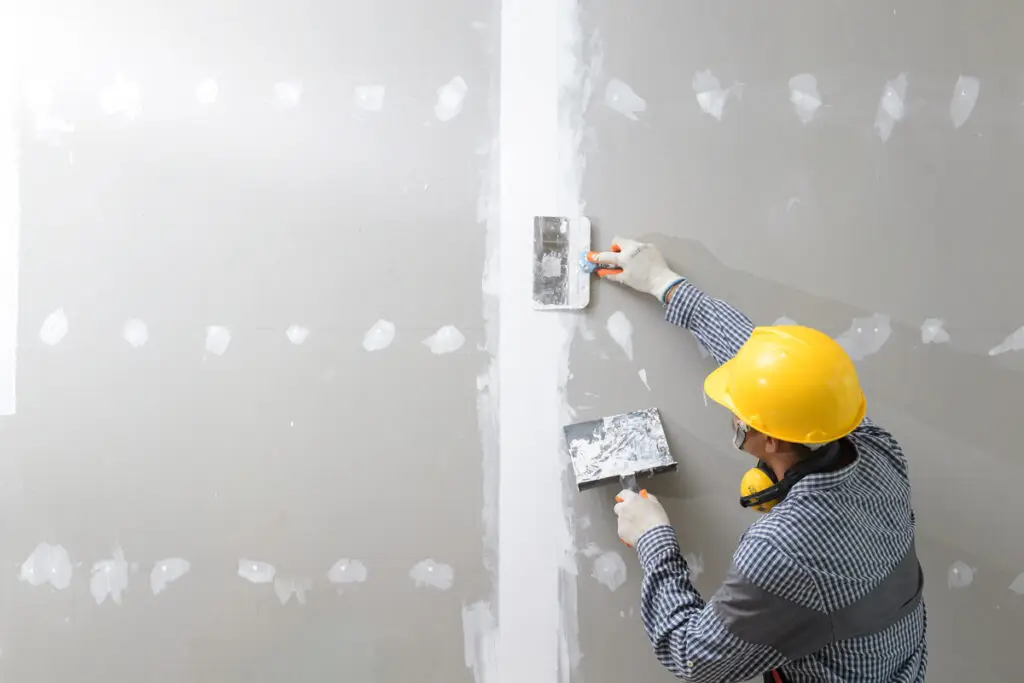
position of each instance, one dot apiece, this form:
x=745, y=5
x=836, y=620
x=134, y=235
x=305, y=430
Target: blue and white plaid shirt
x=834, y=539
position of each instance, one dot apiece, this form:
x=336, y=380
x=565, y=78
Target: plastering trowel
x=559, y=282
x=618, y=448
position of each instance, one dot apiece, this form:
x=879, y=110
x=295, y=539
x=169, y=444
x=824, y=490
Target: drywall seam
x=10, y=222
x=543, y=89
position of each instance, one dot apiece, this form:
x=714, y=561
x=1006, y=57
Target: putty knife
x=558, y=281
x=620, y=447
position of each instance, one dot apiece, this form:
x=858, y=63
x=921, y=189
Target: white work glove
x=637, y=264
x=638, y=513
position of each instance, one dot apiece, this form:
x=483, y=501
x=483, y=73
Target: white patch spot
x=591, y=550
x=933, y=332
x=450, y=98
x=288, y=93
x=380, y=336
x=207, y=91
x=47, y=564
x=256, y=572
x=960, y=575
x=434, y=574
x=696, y=564
x=286, y=588
x=54, y=328
x=643, y=377
x=166, y=572
x=217, y=339
x=865, y=336
x=297, y=334
x=445, y=340
x=369, y=97
x=803, y=93
x=550, y=265
x=711, y=97
x=347, y=571
x=109, y=578
x=620, y=97
x=136, y=333
x=1015, y=342
x=965, y=96
x=791, y=203
x=891, y=108
x=621, y=330
x=609, y=570
x=123, y=98
x=1018, y=584
x=784, y=321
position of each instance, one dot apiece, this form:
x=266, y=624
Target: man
x=826, y=586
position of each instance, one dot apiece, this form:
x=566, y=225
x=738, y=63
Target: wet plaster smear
x=10, y=225
x=542, y=63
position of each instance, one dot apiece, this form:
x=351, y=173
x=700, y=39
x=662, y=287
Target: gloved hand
x=638, y=513
x=637, y=264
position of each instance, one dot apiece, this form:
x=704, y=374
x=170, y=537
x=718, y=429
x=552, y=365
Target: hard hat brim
x=716, y=383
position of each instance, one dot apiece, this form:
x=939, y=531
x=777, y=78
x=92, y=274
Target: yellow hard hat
x=791, y=383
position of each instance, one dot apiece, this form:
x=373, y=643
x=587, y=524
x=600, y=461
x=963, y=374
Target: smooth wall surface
x=826, y=223
x=194, y=165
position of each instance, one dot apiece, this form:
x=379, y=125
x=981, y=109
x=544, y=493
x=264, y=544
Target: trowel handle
x=628, y=481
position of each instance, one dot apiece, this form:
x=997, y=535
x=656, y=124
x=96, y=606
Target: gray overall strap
x=763, y=618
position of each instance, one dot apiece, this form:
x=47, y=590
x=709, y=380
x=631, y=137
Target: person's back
x=850, y=536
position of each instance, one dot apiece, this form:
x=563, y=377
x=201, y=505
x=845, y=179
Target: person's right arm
x=719, y=327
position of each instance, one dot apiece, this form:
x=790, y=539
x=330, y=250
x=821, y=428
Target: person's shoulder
x=870, y=433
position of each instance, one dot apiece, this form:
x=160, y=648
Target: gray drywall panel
x=255, y=212
x=822, y=223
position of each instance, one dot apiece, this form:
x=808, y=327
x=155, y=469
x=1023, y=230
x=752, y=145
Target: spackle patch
x=620, y=97
x=369, y=97
x=380, y=336
x=642, y=372
x=256, y=572
x=479, y=640
x=960, y=575
x=450, y=98
x=136, y=333
x=288, y=93
x=965, y=96
x=696, y=564
x=609, y=570
x=934, y=332
x=866, y=336
x=445, y=340
x=123, y=98
x=432, y=574
x=166, y=572
x=217, y=339
x=891, y=107
x=297, y=334
x=286, y=588
x=1018, y=584
x=711, y=97
x=784, y=321
x=47, y=564
x=207, y=91
x=621, y=330
x=109, y=578
x=54, y=328
x=1015, y=342
x=803, y=93
x=347, y=571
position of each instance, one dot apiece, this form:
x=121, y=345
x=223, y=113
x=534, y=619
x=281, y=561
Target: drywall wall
x=239, y=473
x=890, y=205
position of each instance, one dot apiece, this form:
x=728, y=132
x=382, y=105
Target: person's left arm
x=689, y=636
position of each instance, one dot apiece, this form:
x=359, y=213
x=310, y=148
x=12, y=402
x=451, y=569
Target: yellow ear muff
x=754, y=481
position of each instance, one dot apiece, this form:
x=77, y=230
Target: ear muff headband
x=760, y=490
